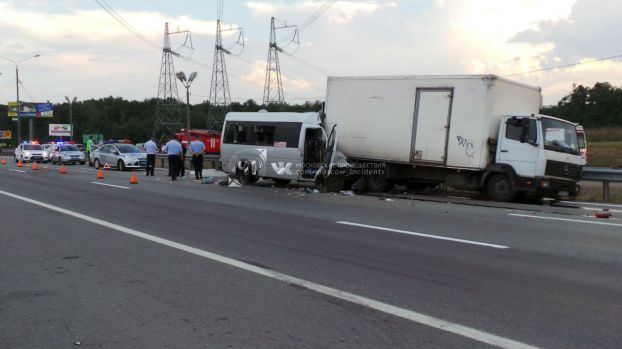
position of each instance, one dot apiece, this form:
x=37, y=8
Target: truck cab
x=536, y=155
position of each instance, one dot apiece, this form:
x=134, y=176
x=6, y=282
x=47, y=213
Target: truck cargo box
x=441, y=121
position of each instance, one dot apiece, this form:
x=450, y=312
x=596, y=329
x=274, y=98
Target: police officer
x=151, y=149
x=196, y=150
x=173, y=150
x=89, y=149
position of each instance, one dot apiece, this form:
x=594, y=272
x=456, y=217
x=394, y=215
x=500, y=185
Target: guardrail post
x=605, y=191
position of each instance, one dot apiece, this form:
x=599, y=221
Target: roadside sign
x=60, y=130
x=6, y=134
x=30, y=110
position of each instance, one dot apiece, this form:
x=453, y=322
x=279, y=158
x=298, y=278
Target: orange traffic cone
x=3, y=162
x=62, y=169
x=100, y=173
x=20, y=163
x=34, y=166
x=133, y=179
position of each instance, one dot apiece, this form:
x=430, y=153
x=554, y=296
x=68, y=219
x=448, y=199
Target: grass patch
x=604, y=154
x=609, y=134
x=593, y=191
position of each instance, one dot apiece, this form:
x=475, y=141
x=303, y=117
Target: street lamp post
x=19, y=126
x=187, y=82
x=71, y=102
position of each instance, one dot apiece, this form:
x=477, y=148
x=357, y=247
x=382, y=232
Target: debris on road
x=347, y=193
x=603, y=214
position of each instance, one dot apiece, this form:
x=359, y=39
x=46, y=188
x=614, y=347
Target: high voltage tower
x=219, y=94
x=273, y=86
x=168, y=108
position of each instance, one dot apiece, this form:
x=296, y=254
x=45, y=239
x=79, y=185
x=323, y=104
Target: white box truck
x=471, y=132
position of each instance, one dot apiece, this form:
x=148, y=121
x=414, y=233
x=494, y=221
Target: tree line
x=599, y=106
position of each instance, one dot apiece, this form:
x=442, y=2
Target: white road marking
x=565, y=219
x=468, y=332
x=14, y=170
x=111, y=185
x=599, y=209
x=589, y=203
x=470, y=242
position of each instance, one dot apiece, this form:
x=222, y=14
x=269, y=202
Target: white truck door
x=517, y=145
x=431, y=125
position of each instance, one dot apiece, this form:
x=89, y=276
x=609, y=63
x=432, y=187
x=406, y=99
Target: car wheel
x=121, y=165
x=96, y=164
x=499, y=188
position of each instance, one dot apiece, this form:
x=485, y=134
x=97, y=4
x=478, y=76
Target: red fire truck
x=211, y=139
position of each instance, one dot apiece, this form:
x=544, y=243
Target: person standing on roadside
x=89, y=149
x=173, y=150
x=151, y=149
x=182, y=159
x=197, y=148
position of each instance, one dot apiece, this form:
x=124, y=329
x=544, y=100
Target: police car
x=31, y=152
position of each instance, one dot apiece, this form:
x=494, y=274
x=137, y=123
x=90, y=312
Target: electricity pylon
x=168, y=113
x=273, y=86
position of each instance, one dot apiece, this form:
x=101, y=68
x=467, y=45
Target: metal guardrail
x=602, y=174
x=209, y=161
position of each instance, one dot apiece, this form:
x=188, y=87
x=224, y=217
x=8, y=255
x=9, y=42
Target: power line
x=28, y=92
x=114, y=14
x=302, y=61
x=564, y=66
x=317, y=14
x=7, y=84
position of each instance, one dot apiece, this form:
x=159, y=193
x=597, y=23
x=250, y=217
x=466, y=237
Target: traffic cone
x=133, y=179
x=62, y=169
x=100, y=173
x=3, y=162
x=20, y=163
x=34, y=166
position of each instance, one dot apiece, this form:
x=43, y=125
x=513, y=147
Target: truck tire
x=499, y=188
x=334, y=183
x=378, y=184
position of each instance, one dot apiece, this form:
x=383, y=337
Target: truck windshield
x=560, y=136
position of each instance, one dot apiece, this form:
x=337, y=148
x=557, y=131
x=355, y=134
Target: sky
x=85, y=52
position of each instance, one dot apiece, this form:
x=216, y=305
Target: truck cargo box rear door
x=431, y=125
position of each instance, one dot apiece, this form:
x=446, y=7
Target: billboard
x=31, y=110
x=6, y=134
x=60, y=130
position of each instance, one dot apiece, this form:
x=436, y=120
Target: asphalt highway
x=106, y=264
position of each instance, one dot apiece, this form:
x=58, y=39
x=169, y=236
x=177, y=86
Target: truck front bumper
x=554, y=187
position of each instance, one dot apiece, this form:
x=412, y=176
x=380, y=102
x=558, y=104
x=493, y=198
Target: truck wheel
x=334, y=183
x=499, y=188
x=378, y=184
